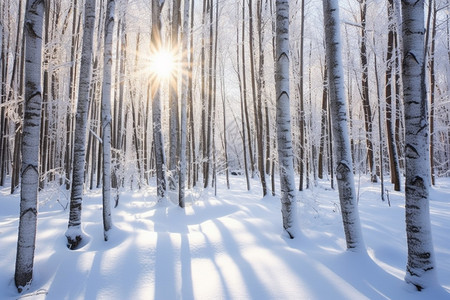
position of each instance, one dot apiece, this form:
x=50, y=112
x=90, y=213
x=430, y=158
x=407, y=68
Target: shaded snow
x=225, y=247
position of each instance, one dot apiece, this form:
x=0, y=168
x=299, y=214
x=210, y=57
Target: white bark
x=74, y=233
x=106, y=117
x=174, y=120
x=341, y=143
x=420, y=269
x=184, y=96
x=156, y=105
x=34, y=21
x=283, y=116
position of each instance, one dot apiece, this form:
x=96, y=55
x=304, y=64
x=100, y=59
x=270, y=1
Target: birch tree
x=106, y=117
x=34, y=19
x=338, y=111
x=184, y=96
x=393, y=155
x=156, y=105
x=365, y=92
x=73, y=233
x=174, y=120
x=283, y=119
x=420, y=268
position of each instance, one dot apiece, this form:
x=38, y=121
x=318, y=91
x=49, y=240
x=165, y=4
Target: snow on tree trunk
x=174, y=120
x=390, y=62
x=160, y=158
x=420, y=269
x=34, y=18
x=106, y=117
x=283, y=119
x=338, y=110
x=184, y=96
x=74, y=233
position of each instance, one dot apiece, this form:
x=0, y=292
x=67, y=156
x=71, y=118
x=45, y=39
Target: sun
x=162, y=64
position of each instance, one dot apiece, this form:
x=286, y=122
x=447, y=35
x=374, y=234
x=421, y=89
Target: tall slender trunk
x=338, y=110
x=421, y=267
x=73, y=233
x=432, y=92
x=260, y=83
x=106, y=118
x=301, y=115
x=380, y=130
x=210, y=98
x=241, y=90
x=33, y=31
x=365, y=94
x=284, y=136
x=174, y=119
x=160, y=158
x=72, y=76
x=225, y=140
x=193, y=160
x=393, y=156
x=323, y=126
x=244, y=94
x=184, y=97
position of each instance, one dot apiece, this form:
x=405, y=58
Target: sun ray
x=163, y=64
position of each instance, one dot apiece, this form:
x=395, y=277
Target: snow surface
x=225, y=247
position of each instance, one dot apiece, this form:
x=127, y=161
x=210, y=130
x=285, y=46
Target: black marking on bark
x=281, y=94
x=37, y=93
x=418, y=182
x=412, y=55
x=422, y=128
x=33, y=210
x=342, y=170
x=413, y=228
x=30, y=166
x=285, y=54
x=425, y=255
x=412, y=206
x=411, y=151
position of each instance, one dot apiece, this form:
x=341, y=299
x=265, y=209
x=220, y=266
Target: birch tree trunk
x=210, y=92
x=323, y=123
x=365, y=93
x=393, y=155
x=34, y=21
x=184, y=96
x=174, y=120
x=432, y=93
x=106, y=117
x=284, y=136
x=192, y=157
x=160, y=158
x=73, y=233
x=301, y=105
x=420, y=268
x=338, y=110
x=242, y=96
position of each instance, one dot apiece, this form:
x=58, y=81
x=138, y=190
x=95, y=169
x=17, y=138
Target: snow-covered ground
x=225, y=247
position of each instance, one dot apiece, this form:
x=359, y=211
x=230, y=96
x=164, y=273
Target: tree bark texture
x=184, y=97
x=74, y=234
x=420, y=269
x=33, y=31
x=283, y=117
x=393, y=155
x=106, y=117
x=160, y=158
x=341, y=143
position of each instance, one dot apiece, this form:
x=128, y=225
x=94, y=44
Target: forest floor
x=228, y=246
